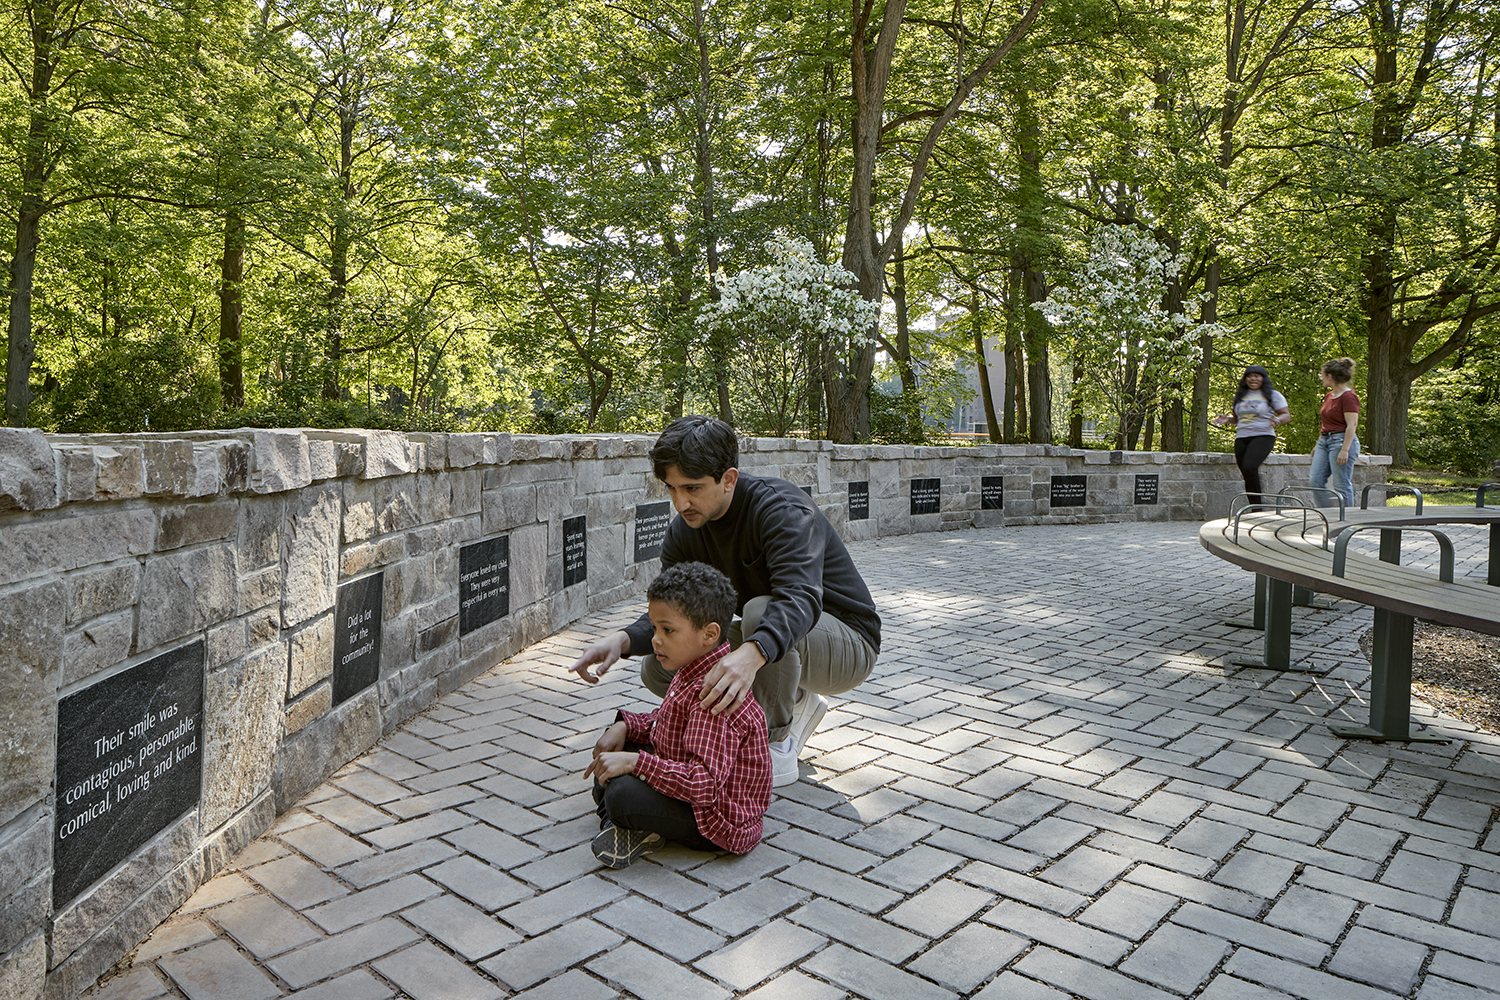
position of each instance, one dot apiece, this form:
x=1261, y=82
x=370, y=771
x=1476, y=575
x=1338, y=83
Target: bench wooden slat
x=1273, y=545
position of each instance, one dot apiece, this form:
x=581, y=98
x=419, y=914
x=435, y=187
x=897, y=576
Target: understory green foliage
x=1455, y=423
x=163, y=383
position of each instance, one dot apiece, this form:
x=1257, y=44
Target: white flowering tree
x=776, y=320
x=1128, y=345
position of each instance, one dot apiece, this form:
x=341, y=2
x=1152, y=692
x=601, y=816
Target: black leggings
x=632, y=804
x=1249, y=453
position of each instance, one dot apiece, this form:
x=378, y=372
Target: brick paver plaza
x=1050, y=788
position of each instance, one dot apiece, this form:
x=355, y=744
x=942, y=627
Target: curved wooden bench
x=1293, y=546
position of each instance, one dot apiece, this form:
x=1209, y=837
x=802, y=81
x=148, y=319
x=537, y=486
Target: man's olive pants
x=831, y=659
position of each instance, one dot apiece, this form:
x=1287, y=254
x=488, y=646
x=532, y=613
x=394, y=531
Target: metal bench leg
x=1304, y=598
x=1259, y=619
x=1390, y=686
x=1493, y=576
x=1278, y=646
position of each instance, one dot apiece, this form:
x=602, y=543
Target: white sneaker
x=784, y=763
x=806, y=715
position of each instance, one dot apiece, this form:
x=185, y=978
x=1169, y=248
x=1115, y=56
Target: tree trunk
x=21, y=352
x=1171, y=408
x=232, y=313
x=986, y=390
x=1031, y=228
x=1075, y=409
x=703, y=158
x=1204, y=367
x=1013, y=366
x=1172, y=421
x=338, y=265
x=1038, y=375
x=847, y=372
x=1129, y=431
x=1023, y=412
x=911, y=403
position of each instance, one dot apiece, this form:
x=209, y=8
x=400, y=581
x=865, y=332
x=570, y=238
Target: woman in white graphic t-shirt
x=1258, y=408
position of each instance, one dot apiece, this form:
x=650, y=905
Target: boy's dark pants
x=632, y=804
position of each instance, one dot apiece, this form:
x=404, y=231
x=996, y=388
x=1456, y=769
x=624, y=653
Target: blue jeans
x=1325, y=462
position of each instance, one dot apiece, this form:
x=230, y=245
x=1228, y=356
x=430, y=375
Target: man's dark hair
x=698, y=446
x=701, y=593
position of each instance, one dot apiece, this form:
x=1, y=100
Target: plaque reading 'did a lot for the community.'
x=483, y=583
x=356, y=636
x=651, y=520
x=1070, y=491
x=129, y=762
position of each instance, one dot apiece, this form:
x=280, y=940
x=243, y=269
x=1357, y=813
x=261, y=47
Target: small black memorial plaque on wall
x=483, y=583
x=859, y=501
x=651, y=520
x=992, y=493
x=129, y=761
x=1147, y=488
x=926, y=496
x=1070, y=491
x=356, y=636
x=575, y=550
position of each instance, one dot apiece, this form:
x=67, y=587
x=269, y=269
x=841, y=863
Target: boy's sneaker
x=617, y=847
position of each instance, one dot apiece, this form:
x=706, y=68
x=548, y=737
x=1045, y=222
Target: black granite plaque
x=1070, y=491
x=926, y=496
x=356, y=636
x=129, y=762
x=807, y=490
x=1147, y=488
x=575, y=550
x=859, y=501
x=992, y=493
x=651, y=520
x=483, y=583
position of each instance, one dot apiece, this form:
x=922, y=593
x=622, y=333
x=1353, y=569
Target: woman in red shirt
x=1338, y=445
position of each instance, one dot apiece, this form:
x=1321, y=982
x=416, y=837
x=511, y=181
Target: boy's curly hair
x=697, y=590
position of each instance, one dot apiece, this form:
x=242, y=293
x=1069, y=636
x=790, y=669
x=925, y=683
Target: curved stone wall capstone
x=198, y=629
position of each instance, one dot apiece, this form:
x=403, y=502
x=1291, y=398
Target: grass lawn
x=1439, y=487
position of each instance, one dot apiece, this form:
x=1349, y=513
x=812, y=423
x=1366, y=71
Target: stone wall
x=200, y=598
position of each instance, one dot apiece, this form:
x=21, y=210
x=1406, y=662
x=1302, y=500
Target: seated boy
x=679, y=772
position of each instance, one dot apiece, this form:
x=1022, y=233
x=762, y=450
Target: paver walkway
x=1050, y=788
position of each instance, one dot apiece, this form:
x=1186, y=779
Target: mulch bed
x=1457, y=672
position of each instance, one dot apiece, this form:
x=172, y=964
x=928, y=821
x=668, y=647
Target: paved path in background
x=1049, y=788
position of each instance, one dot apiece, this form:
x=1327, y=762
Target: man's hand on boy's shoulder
x=728, y=681
x=612, y=765
x=602, y=653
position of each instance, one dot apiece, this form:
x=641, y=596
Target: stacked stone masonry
x=119, y=553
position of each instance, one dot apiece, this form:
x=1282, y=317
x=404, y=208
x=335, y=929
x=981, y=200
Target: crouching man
x=808, y=626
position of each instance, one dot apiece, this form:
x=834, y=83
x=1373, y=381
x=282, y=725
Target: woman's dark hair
x=1265, y=385
x=1339, y=369
x=698, y=446
x=698, y=591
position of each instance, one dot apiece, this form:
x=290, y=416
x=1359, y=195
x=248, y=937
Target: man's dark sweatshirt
x=773, y=542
